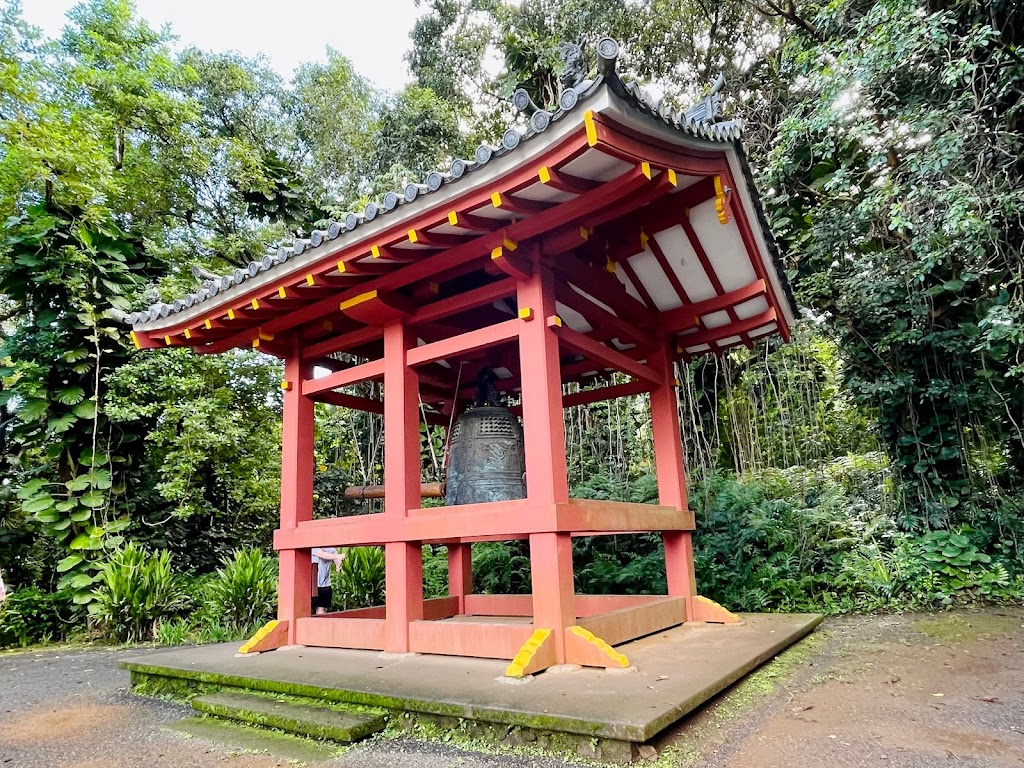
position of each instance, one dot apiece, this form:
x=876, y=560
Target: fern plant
x=360, y=581
x=243, y=592
x=137, y=590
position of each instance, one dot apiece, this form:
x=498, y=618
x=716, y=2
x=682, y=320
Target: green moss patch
x=306, y=719
x=238, y=737
x=965, y=628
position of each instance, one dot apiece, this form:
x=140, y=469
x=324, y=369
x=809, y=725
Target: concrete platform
x=675, y=671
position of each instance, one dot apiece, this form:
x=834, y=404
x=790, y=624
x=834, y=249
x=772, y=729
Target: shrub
x=29, y=616
x=501, y=567
x=137, y=590
x=243, y=592
x=173, y=632
x=360, y=582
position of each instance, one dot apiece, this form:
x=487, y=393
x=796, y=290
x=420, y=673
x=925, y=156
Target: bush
x=29, y=616
x=243, y=592
x=138, y=589
x=360, y=582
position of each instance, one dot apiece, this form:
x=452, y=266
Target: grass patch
x=961, y=628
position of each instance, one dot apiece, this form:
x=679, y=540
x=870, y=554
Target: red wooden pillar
x=460, y=573
x=294, y=574
x=671, y=471
x=547, y=481
x=403, y=560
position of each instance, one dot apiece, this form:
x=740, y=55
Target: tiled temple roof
x=700, y=121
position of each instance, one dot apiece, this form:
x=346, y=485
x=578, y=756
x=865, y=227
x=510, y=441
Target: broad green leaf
x=85, y=409
x=32, y=409
x=70, y=395
x=68, y=563
x=38, y=504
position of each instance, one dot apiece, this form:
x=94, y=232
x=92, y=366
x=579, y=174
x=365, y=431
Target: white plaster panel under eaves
x=723, y=246
x=684, y=262
x=596, y=166
x=646, y=268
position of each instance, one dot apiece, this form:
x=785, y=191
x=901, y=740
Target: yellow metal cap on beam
x=356, y=300
x=310, y=280
x=341, y=267
x=645, y=169
x=231, y=314
x=672, y=178
x=496, y=199
x=286, y=385
x=135, y=340
x=554, y=321
x=588, y=120
x=453, y=218
x=188, y=334
x=510, y=245
x=526, y=313
x=255, y=304
x=282, y=292
x=413, y=236
x=208, y=323
x=544, y=175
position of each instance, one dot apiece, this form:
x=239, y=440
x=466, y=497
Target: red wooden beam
x=357, y=373
x=462, y=302
x=436, y=239
x=612, y=392
x=606, y=288
x=684, y=317
x=344, y=342
x=474, y=223
x=565, y=182
x=711, y=335
x=519, y=205
x=463, y=343
x=598, y=316
x=599, y=352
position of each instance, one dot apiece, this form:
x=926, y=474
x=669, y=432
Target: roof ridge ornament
x=709, y=109
x=574, y=65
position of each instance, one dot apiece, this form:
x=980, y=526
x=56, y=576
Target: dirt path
x=895, y=691
x=900, y=691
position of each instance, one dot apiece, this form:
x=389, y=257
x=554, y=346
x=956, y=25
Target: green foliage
x=897, y=194
x=501, y=568
x=435, y=571
x=242, y=594
x=29, y=616
x=360, y=581
x=137, y=591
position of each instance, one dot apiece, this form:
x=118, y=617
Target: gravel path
x=895, y=691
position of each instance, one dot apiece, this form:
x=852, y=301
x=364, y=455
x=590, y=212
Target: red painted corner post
x=294, y=574
x=547, y=481
x=403, y=560
x=460, y=573
x=671, y=471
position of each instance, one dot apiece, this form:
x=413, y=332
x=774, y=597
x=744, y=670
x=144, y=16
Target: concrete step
x=336, y=723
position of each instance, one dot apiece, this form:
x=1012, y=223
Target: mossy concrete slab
x=319, y=722
x=676, y=671
x=236, y=736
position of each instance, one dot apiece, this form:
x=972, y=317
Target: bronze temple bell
x=486, y=457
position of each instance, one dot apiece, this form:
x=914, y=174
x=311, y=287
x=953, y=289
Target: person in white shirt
x=322, y=558
x=3, y=589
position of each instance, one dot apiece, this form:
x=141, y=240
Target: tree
x=897, y=196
